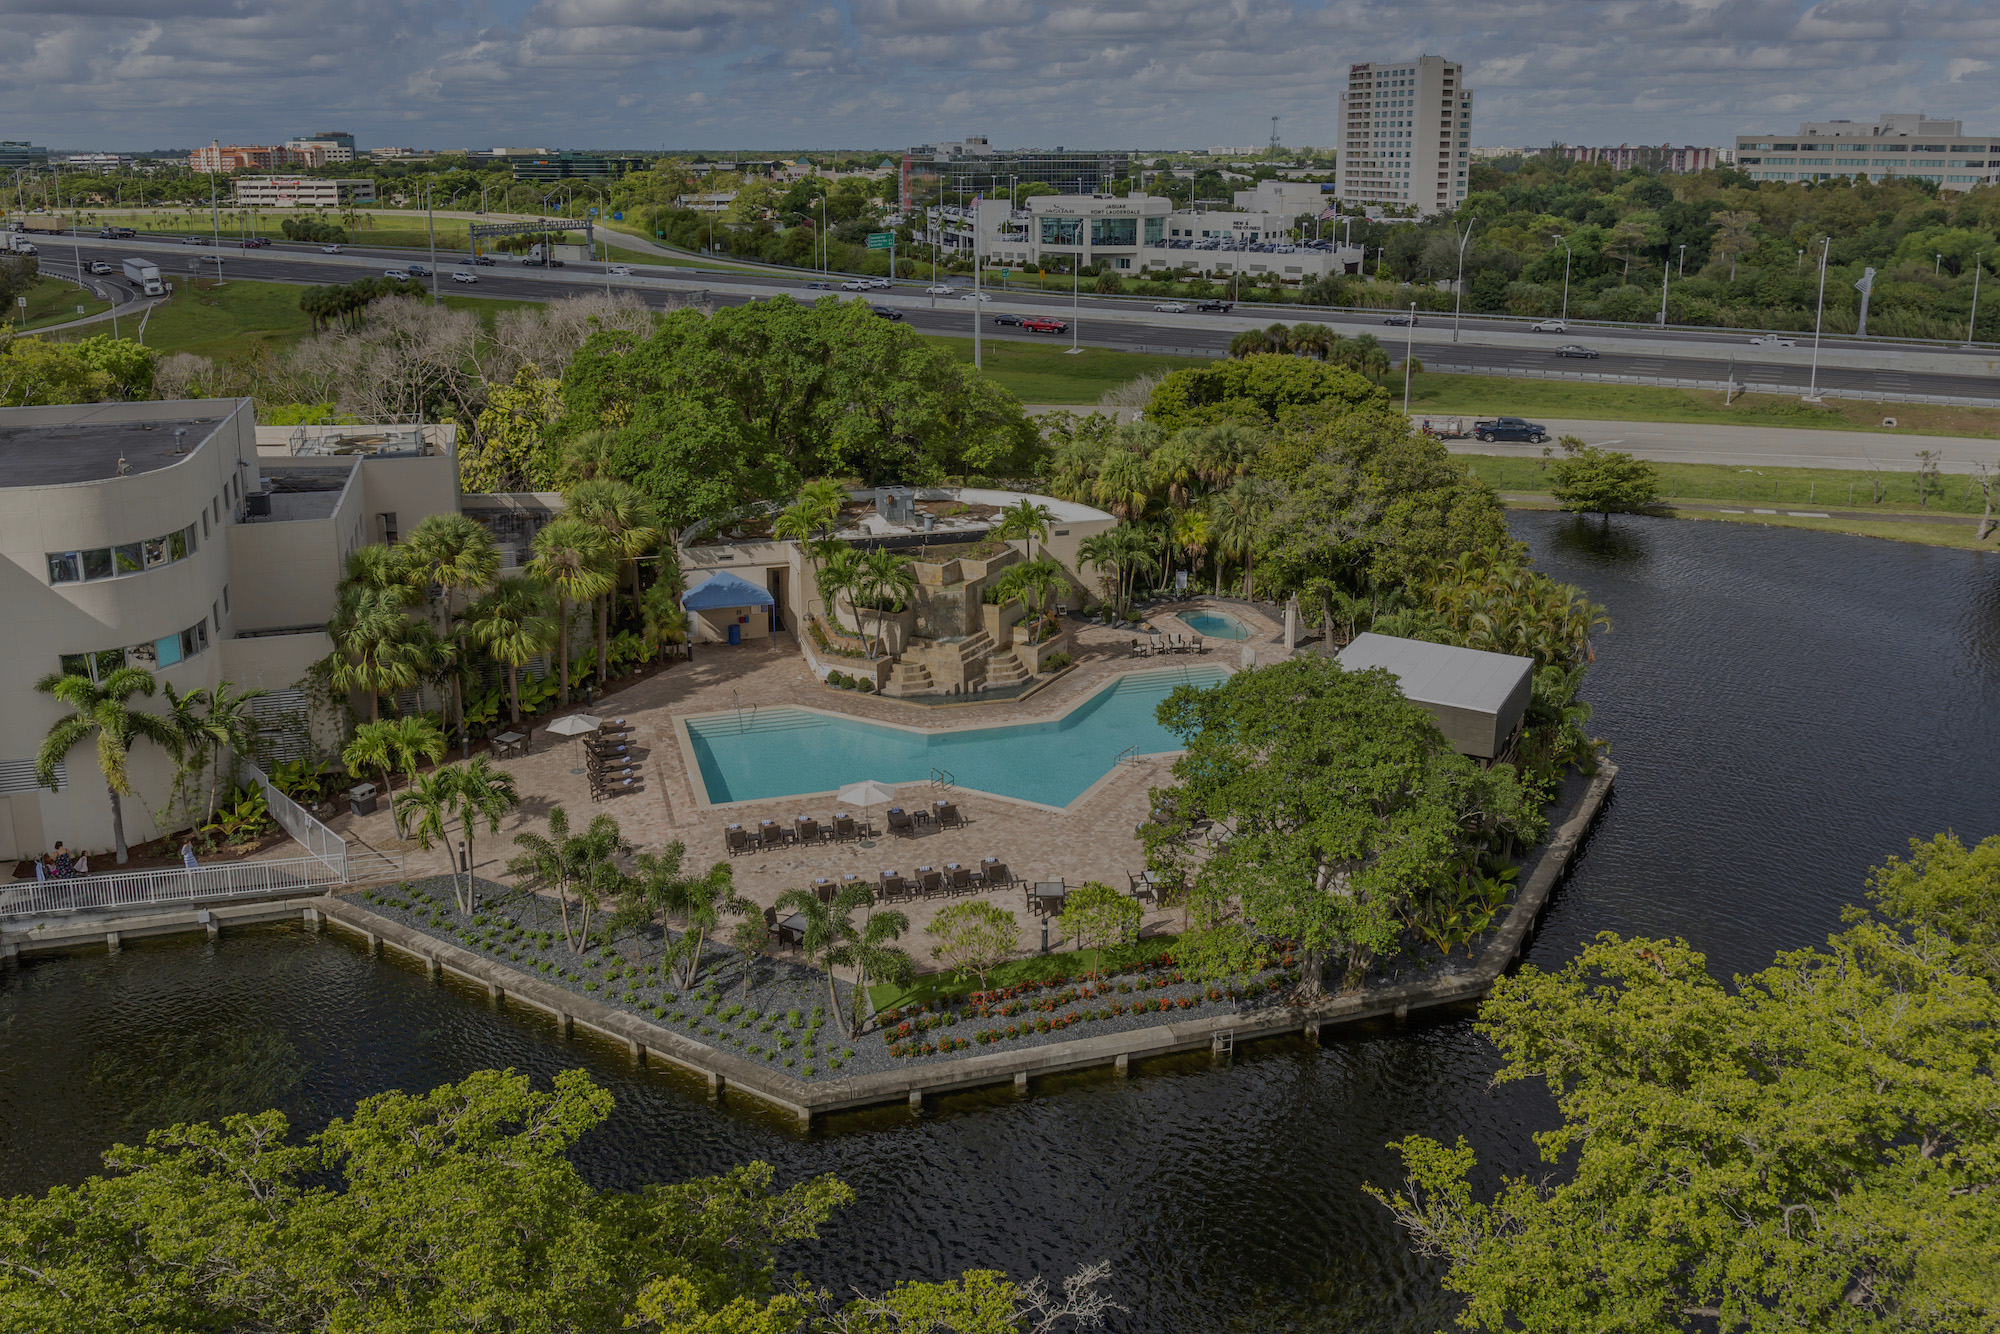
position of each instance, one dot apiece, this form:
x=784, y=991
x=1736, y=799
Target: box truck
x=144, y=276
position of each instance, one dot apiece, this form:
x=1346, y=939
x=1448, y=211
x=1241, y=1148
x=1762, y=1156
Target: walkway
x=1752, y=446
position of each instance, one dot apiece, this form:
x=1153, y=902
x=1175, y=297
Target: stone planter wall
x=898, y=627
x=1036, y=655
x=999, y=620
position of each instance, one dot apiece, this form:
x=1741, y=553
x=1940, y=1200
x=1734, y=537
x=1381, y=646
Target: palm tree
x=574, y=558
x=384, y=569
x=1190, y=534
x=422, y=808
x=1100, y=551
x=828, y=928
x=870, y=952
x=1124, y=484
x=626, y=517
x=370, y=751
x=102, y=707
x=841, y=573
x=1134, y=555
x=511, y=622
x=1249, y=343
x=588, y=457
x=1315, y=340
x=1222, y=452
x=479, y=791
x=1174, y=470
x=699, y=902
x=412, y=739
x=1035, y=583
x=1026, y=519
x=1236, y=523
x=581, y=864
x=454, y=554
x=662, y=619
x=211, y=722
x=372, y=643
x=885, y=578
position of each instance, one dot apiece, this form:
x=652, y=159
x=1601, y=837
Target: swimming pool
x=791, y=752
x=1214, y=625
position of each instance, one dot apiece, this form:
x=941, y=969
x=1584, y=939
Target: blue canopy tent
x=728, y=599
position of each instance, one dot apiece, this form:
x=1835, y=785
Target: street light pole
x=1681, y=272
x=1459, y=294
x=1568, y=255
x=1666, y=275
x=1812, y=391
x=430, y=223
x=1409, y=342
x=1973, y=323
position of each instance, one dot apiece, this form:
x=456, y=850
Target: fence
x=319, y=841
x=298, y=875
x=1720, y=386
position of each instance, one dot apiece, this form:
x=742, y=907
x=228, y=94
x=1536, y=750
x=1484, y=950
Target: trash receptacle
x=735, y=634
x=361, y=798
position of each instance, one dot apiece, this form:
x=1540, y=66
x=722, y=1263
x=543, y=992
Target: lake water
x=1786, y=708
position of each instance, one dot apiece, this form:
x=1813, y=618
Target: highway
x=1850, y=367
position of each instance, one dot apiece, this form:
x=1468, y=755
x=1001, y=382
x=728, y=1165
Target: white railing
x=168, y=885
x=314, y=837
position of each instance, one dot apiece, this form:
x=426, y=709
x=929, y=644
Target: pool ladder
x=1128, y=755
x=942, y=780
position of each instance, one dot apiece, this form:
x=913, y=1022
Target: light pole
x=1812, y=390
x=1567, y=257
x=1409, y=342
x=1681, y=270
x=1936, y=268
x=430, y=225
x=1075, y=295
x=1666, y=274
x=1973, y=323
x=1459, y=292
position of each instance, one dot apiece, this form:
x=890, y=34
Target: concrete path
x=1755, y=446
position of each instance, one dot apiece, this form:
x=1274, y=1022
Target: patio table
x=508, y=744
x=792, y=931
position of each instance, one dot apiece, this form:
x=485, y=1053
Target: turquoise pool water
x=1214, y=625
x=785, y=752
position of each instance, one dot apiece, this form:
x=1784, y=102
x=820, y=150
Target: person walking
x=187, y=855
x=65, y=864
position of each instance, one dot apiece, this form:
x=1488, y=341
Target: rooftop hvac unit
x=257, y=505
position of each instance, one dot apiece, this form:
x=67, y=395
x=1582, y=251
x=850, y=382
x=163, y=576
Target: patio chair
x=1047, y=897
x=806, y=829
x=843, y=828
x=947, y=816
x=848, y=882
x=891, y=886
x=825, y=890
x=1144, y=891
x=901, y=823
x=1156, y=644
x=1194, y=645
x=993, y=874
x=960, y=879
x=771, y=919
x=1139, y=650
x=772, y=834
x=737, y=839
x=929, y=881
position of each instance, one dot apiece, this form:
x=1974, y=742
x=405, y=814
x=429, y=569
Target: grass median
x=1048, y=373
x=1808, y=488
x=53, y=301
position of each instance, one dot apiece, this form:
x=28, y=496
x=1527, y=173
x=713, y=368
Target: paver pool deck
x=1091, y=840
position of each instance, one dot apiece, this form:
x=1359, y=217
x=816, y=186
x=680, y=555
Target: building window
x=1114, y=231
x=1062, y=231
x=162, y=652
x=69, y=567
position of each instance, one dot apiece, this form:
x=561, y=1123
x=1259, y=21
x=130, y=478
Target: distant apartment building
x=1405, y=135
x=261, y=157
x=968, y=167
x=331, y=145
x=1900, y=146
x=17, y=154
x=303, y=191
x=564, y=166
x=1661, y=159
x=100, y=161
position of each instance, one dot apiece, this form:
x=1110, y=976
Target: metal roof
x=1461, y=678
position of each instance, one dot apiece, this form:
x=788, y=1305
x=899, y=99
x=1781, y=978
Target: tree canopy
x=1817, y=1147
x=1589, y=480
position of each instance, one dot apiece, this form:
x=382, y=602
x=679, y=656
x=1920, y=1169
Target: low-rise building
x=303, y=191
x=182, y=538
x=19, y=154
x=1900, y=146
x=1661, y=159
x=562, y=166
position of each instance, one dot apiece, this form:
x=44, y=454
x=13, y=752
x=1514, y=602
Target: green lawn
x=52, y=301
x=1799, y=488
x=1046, y=373
x=228, y=319
x=1489, y=395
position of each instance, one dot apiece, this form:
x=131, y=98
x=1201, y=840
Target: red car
x=1043, y=324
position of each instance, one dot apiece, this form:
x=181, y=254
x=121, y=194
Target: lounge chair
x=892, y=886
x=824, y=890
x=947, y=816
x=806, y=829
x=770, y=833
x=901, y=823
x=994, y=874
x=1195, y=645
x=960, y=879
x=929, y=881
x=843, y=828
x=737, y=839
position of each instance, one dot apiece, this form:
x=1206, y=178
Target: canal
x=1786, y=707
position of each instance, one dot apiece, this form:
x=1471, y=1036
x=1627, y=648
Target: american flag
x=1327, y=213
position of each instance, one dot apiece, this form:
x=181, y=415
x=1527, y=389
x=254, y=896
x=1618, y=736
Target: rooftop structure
x=970, y=167
x=70, y=445
x=1477, y=697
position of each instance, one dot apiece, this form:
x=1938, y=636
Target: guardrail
x=1740, y=386
x=297, y=875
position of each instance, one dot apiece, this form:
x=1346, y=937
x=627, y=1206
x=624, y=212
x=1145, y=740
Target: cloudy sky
x=875, y=73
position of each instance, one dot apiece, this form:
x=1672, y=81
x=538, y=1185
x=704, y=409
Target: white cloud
x=880, y=73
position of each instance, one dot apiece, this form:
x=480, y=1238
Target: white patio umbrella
x=865, y=793
x=576, y=724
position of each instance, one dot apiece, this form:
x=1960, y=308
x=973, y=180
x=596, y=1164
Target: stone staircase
x=907, y=677
x=1005, y=668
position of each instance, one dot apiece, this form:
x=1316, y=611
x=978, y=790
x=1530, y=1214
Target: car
x=977, y=296
x=484, y=261
x=1510, y=428
x=1043, y=324
x=400, y=275
x=887, y=312
x=854, y=285
x=622, y=270
x=99, y=266
x=878, y=282
x=1007, y=319
x=209, y=259
x=1573, y=350
x=1774, y=340
x=1400, y=319
x=1171, y=308
x=464, y=276
x=117, y=233
x=1550, y=326
x=259, y=242
x=331, y=249
x=419, y=271
x=193, y=240
x=1214, y=307
x=939, y=289
x=818, y=287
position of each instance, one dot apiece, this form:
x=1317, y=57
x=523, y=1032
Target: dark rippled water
x=1786, y=708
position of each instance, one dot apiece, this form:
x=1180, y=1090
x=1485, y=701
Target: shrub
x=794, y=1018
x=1055, y=662
x=806, y=1069
x=837, y=679
x=865, y=686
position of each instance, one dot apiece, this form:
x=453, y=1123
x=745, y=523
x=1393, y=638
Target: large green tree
x=104, y=709
x=1816, y=1147
x=1589, y=480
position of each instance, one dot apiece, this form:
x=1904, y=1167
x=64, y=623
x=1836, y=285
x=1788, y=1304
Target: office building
x=16, y=154
x=1660, y=159
x=327, y=145
x=1900, y=146
x=303, y=191
x=956, y=171
x=1405, y=135
x=563, y=166
x=260, y=157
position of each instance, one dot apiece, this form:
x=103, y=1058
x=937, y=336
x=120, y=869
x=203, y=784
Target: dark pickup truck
x=1217, y=307
x=1510, y=428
